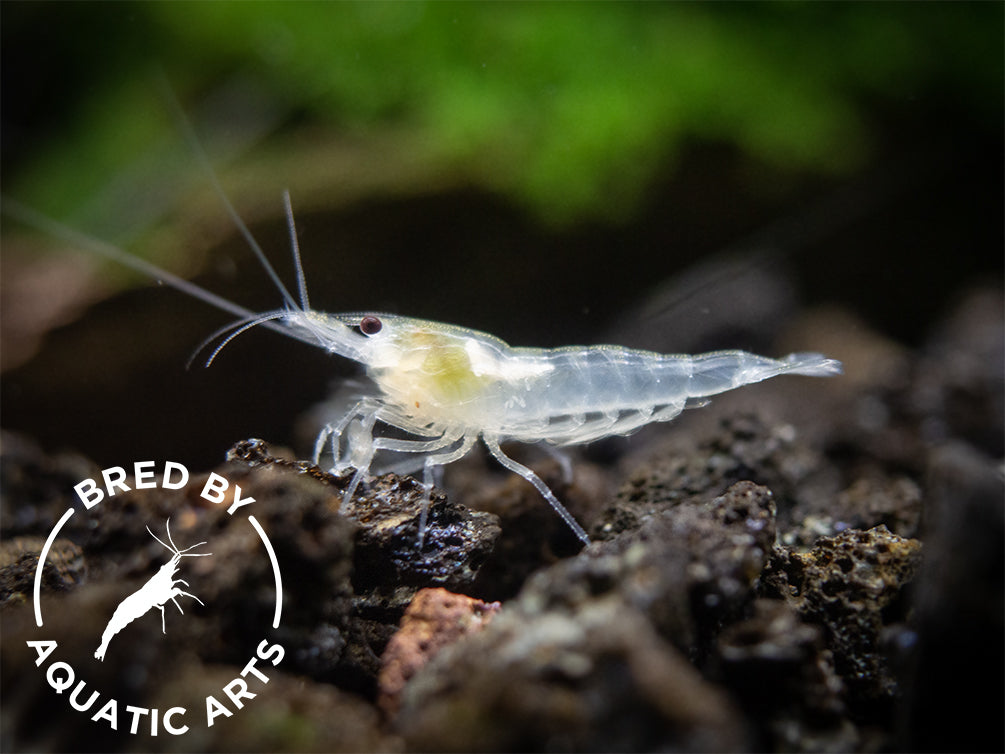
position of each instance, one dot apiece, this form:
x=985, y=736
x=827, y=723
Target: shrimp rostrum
x=447, y=387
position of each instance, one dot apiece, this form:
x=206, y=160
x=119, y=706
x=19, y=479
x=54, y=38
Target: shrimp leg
x=431, y=464
x=432, y=469
x=334, y=431
x=361, y=460
x=492, y=443
x=561, y=459
x=362, y=410
x=413, y=446
x=367, y=413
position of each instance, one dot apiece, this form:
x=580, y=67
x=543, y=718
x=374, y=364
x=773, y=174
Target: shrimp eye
x=370, y=325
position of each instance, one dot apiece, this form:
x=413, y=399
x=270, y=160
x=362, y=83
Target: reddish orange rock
x=434, y=619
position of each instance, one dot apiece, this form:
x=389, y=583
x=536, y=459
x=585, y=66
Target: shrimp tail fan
x=812, y=365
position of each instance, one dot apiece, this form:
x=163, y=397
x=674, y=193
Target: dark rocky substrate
x=804, y=565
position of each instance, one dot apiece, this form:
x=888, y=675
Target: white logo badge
x=164, y=586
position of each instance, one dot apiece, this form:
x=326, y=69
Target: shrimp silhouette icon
x=161, y=587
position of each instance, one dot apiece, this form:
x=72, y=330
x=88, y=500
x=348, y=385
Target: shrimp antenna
x=40, y=222
x=200, y=154
x=295, y=246
x=35, y=219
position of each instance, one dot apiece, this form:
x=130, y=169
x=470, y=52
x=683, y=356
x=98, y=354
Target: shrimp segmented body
x=451, y=386
x=448, y=387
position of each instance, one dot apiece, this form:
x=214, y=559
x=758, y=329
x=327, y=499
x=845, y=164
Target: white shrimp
x=449, y=386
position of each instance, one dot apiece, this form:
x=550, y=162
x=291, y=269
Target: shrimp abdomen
x=594, y=392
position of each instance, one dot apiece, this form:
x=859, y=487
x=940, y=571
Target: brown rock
x=435, y=619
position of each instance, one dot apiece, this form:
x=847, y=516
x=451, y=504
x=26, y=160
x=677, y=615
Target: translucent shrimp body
x=452, y=386
x=449, y=387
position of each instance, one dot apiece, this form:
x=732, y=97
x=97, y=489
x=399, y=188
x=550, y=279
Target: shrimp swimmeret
x=448, y=386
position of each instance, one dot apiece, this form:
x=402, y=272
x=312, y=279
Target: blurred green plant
x=567, y=108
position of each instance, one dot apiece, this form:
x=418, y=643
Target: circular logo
x=166, y=590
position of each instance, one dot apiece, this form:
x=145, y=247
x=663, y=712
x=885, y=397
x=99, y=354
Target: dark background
x=532, y=171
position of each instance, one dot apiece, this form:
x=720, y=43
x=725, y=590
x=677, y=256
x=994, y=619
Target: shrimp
x=161, y=587
x=447, y=387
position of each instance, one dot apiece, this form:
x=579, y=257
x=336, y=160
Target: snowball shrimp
x=448, y=387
